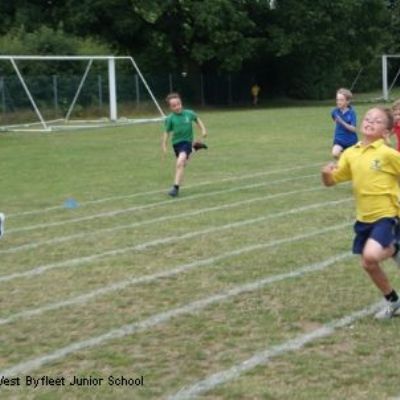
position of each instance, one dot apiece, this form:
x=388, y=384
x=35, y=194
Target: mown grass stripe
x=265, y=356
x=133, y=195
x=117, y=286
x=167, y=240
x=109, y=214
x=157, y=319
x=164, y=218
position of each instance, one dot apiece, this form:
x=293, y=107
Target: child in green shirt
x=179, y=125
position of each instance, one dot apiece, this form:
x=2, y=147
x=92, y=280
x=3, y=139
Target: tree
x=193, y=34
x=318, y=45
x=302, y=48
x=46, y=41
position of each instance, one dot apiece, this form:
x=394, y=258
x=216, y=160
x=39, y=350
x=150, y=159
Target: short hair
x=396, y=105
x=346, y=93
x=172, y=96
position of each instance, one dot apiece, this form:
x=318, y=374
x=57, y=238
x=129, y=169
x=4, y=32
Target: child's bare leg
x=336, y=151
x=372, y=255
x=180, y=168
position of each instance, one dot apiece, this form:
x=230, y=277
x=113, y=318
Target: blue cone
x=71, y=203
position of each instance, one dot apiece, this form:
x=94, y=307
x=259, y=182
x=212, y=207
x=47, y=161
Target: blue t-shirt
x=343, y=136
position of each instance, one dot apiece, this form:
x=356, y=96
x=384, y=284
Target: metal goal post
x=112, y=87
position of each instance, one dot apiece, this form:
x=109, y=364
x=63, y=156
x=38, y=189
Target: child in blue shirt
x=345, y=119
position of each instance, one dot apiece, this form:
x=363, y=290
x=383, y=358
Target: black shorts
x=385, y=231
x=183, y=147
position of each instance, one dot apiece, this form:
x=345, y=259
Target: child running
x=345, y=119
x=179, y=124
x=374, y=169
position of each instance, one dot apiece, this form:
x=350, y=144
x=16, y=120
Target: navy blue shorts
x=385, y=231
x=183, y=147
x=343, y=145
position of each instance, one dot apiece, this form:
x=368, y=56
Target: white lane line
x=156, y=319
x=117, y=286
x=109, y=214
x=133, y=195
x=107, y=231
x=143, y=246
x=265, y=356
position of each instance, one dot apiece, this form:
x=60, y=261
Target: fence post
x=203, y=101
x=100, y=90
x=55, y=94
x=229, y=89
x=137, y=90
x=3, y=95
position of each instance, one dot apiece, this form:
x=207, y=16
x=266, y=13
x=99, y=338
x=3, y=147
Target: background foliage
x=302, y=49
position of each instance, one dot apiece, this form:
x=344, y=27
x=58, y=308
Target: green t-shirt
x=180, y=125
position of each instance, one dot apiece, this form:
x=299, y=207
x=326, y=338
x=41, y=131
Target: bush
x=46, y=41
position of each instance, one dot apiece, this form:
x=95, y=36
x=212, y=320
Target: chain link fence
x=53, y=94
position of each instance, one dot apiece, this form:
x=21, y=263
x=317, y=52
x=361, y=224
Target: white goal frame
x=66, y=122
x=386, y=87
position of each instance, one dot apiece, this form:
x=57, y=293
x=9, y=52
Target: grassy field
x=242, y=288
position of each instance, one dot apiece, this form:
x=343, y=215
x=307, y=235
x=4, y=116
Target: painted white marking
x=110, y=253
x=114, y=213
x=81, y=299
x=106, y=231
x=130, y=196
x=269, y=353
x=157, y=319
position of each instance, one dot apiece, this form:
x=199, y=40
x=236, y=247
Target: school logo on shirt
x=376, y=165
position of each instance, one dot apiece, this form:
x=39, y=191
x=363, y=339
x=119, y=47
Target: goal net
x=48, y=93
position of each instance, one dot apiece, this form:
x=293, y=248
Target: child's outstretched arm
x=164, y=141
x=326, y=174
x=203, y=129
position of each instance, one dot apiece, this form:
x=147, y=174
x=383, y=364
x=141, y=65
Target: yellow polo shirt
x=375, y=172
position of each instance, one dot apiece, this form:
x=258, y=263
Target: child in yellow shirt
x=374, y=169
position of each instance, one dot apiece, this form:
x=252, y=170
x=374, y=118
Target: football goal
x=390, y=74
x=49, y=93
